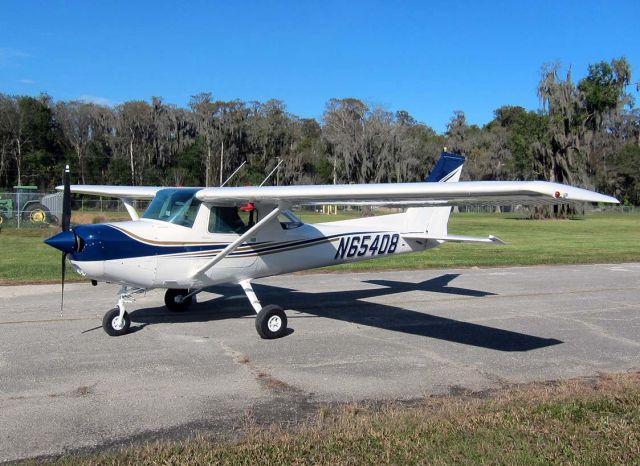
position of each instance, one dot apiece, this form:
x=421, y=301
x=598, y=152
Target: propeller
x=66, y=200
x=66, y=241
x=66, y=226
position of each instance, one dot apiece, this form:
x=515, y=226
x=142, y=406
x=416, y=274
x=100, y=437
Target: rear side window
x=288, y=221
x=226, y=220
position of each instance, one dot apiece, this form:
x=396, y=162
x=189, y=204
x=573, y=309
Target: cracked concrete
x=65, y=385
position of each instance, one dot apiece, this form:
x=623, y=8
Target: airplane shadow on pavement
x=348, y=306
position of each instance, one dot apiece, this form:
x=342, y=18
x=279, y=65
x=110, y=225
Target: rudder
x=433, y=220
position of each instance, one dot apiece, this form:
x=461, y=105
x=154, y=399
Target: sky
x=426, y=57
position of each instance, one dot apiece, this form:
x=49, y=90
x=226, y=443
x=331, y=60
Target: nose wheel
x=115, y=325
x=117, y=322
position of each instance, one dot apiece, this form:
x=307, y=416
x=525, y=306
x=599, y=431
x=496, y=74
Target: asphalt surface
x=66, y=385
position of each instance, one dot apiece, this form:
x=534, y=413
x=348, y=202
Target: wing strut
x=233, y=246
x=128, y=204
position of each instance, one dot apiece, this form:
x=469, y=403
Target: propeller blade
x=66, y=201
x=64, y=268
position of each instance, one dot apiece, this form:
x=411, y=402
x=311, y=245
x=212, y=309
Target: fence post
x=18, y=212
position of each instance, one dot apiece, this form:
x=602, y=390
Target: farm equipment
x=27, y=205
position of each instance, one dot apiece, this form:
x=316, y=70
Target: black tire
x=109, y=323
x=174, y=306
x=271, y=322
x=37, y=213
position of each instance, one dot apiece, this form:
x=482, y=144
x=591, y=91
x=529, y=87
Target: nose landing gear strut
x=116, y=322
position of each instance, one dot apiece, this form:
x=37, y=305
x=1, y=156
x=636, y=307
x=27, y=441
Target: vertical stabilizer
x=433, y=220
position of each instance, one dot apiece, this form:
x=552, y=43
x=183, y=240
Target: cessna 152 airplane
x=192, y=238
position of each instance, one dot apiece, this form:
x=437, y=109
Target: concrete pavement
x=66, y=385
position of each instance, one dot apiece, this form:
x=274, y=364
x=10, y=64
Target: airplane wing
x=408, y=194
x=129, y=192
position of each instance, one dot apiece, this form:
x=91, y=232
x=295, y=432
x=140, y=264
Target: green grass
x=572, y=422
x=596, y=238
x=25, y=258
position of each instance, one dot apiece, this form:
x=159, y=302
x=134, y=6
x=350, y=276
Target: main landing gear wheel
x=114, y=325
x=175, y=301
x=271, y=322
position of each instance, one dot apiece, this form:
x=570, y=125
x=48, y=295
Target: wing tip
x=496, y=240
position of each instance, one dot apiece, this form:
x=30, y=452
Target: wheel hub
x=38, y=216
x=274, y=323
x=117, y=323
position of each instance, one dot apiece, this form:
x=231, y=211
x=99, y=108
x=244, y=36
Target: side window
x=288, y=221
x=249, y=218
x=226, y=220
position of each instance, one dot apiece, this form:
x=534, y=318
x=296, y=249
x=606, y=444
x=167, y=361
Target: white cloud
x=93, y=99
x=9, y=55
x=27, y=81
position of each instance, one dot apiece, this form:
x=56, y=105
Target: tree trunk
x=207, y=174
x=80, y=164
x=335, y=162
x=19, y=161
x=133, y=179
x=3, y=161
x=221, y=161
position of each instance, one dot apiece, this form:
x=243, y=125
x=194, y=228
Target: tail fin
x=447, y=168
x=433, y=220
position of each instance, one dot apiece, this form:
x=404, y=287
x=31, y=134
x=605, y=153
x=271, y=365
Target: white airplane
x=191, y=238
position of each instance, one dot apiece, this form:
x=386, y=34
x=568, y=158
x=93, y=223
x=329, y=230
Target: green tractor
x=27, y=205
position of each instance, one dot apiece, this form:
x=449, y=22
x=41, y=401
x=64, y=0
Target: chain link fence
x=19, y=209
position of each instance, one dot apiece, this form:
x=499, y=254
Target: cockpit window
x=178, y=206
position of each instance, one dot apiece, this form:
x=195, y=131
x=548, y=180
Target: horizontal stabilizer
x=455, y=238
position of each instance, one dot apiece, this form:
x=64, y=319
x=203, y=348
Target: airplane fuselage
x=150, y=253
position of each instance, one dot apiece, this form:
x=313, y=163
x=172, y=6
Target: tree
x=625, y=181
x=344, y=121
x=271, y=137
x=79, y=122
x=525, y=132
x=604, y=91
x=203, y=110
x=134, y=137
x=6, y=136
x=564, y=158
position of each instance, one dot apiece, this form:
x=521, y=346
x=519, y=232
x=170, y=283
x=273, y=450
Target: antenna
x=271, y=172
x=231, y=176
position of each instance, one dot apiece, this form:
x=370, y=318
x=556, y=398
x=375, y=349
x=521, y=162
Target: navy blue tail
x=446, y=165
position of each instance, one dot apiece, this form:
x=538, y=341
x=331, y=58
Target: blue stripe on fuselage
x=105, y=242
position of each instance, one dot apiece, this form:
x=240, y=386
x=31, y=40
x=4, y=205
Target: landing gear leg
x=179, y=300
x=271, y=321
x=116, y=322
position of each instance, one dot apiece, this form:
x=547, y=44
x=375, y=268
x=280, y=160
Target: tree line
x=585, y=133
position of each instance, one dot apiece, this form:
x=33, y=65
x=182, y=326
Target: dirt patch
x=273, y=383
x=84, y=390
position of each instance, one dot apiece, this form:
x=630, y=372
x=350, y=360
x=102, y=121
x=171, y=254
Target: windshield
x=175, y=205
